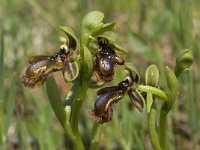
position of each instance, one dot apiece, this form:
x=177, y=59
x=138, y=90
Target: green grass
x=152, y=31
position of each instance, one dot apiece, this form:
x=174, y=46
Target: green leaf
x=152, y=75
x=73, y=40
x=55, y=100
x=62, y=113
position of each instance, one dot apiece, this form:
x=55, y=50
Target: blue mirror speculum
x=105, y=60
x=41, y=67
x=109, y=95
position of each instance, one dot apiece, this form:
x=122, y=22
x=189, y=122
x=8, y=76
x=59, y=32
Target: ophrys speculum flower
x=110, y=95
x=105, y=60
x=41, y=67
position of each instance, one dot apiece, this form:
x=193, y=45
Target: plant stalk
x=163, y=126
x=94, y=145
x=152, y=128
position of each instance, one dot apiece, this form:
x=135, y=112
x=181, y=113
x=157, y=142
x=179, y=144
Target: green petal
x=130, y=67
x=92, y=22
x=73, y=40
x=107, y=27
x=71, y=71
x=109, y=35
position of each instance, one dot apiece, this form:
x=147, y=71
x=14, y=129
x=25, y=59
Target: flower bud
x=152, y=75
x=183, y=61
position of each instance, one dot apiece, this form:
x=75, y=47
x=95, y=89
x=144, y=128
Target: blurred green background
x=153, y=31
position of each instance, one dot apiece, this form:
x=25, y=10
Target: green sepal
x=87, y=64
x=109, y=35
x=112, y=37
x=119, y=48
x=152, y=76
x=92, y=23
x=108, y=27
x=131, y=67
x=72, y=39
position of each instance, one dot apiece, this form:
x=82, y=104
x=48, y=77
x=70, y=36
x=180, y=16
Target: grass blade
x=2, y=131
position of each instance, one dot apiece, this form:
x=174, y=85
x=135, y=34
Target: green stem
x=153, y=90
x=94, y=145
x=172, y=84
x=152, y=128
x=163, y=126
x=76, y=108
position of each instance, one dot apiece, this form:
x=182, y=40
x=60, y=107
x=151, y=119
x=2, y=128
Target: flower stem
x=152, y=128
x=79, y=96
x=94, y=145
x=163, y=124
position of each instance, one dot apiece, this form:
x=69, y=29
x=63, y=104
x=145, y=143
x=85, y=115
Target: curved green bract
x=73, y=40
